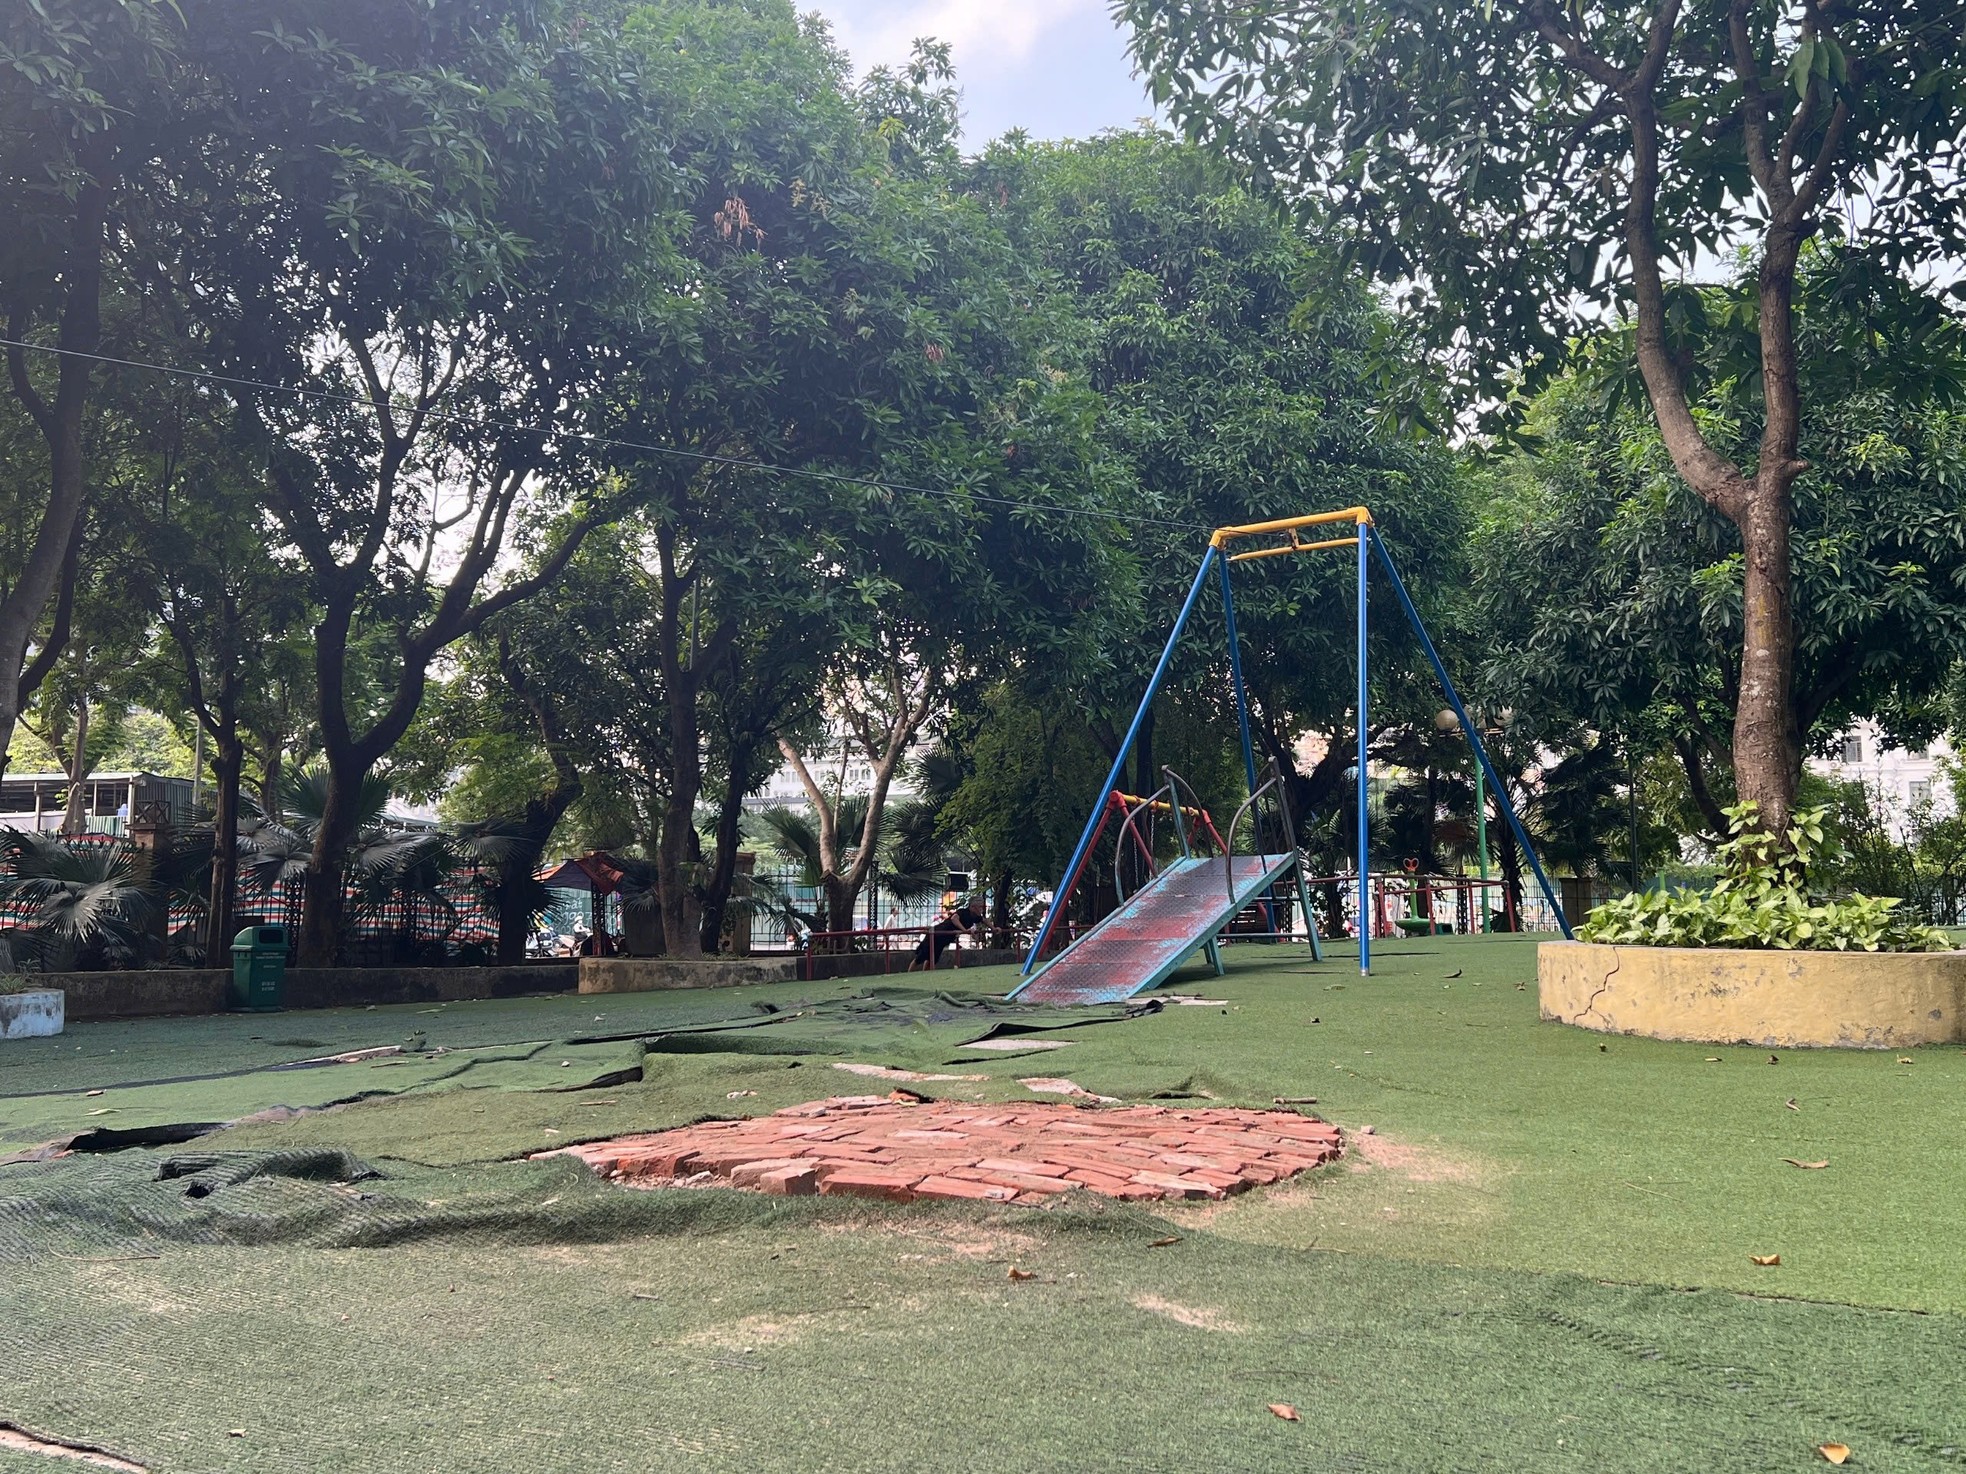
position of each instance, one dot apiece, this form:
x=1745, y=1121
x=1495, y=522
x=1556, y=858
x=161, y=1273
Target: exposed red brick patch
x=873, y=1146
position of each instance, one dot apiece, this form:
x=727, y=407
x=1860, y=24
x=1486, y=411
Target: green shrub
x=1762, y=900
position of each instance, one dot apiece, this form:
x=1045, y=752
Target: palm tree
x=86, y=905
x=398, y=874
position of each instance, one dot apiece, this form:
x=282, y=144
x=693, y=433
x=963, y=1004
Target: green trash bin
x=259, y=969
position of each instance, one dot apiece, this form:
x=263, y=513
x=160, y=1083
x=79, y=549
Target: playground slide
x=1155, y=930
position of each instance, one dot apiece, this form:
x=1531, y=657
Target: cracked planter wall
x=1723, y=995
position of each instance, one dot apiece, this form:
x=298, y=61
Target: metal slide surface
x=1154, y=931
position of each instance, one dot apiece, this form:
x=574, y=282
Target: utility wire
x=606, y=441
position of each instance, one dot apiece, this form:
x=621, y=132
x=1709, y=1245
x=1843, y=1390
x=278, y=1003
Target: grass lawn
x=1538, y=1257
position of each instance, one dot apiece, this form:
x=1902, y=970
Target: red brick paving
x=900, y=1149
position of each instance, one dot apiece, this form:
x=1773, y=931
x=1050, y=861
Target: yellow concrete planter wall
x=1722, y=995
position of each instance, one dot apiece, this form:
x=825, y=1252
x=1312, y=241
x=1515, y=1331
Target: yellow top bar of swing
x=1223, y=536
x=1295, y=547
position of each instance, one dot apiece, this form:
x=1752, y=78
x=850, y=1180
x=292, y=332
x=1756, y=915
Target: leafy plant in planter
x=1762, y=900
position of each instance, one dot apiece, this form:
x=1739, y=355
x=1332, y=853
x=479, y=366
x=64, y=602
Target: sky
x=1056, y=68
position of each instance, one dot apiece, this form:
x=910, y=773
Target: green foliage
x=1032, y=772
x=87, y=905
x=1760, y=900
x=1464, y=159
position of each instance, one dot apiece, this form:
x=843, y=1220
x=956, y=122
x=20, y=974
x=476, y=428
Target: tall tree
x=413, y=221
x=83, y=92
x=1233, y=359
x=1606, y=591
x=1519, y=165
x=853, y=324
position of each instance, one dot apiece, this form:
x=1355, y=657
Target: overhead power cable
x=700, y=457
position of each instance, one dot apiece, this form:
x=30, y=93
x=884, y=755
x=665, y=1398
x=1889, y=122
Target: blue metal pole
x=1364, y=821
x=1119, y=762
x=1474, y=737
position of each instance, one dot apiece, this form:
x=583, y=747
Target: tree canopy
x=1514, y=167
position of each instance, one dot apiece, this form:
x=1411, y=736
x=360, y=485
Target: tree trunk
x=321, y=894
x=271, y=775
x=60, y=424
x=221, y=914
x=1000, y=912
x=1767, y=747
x=542, y=817
x=1509, y=854
x=682, y=923
x=723, y=869
x=74, y=818
x=1145, y=777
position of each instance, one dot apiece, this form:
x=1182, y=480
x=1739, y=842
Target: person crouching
x=943, y=934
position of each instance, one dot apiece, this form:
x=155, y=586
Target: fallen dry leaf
x=94, y=1092
x=1022, y=1274
x=1774, y=1059
x=1764, y=1260
x=235, y=1432
x=1836, y=1453
x=1790, y=1103
x=1285, y=1411
x=1163, y=1243
x=1806, y=1166
x=1903, y=1059
x=1713, y=1059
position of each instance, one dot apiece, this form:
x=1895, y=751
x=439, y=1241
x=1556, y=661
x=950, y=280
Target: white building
x=837, y=769
x=1901, y=782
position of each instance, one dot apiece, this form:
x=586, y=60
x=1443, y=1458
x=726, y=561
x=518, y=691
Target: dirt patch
x=751, y=1332
x=951, y=1240
x=1414, y=1162
x=1201, y=1317
x=15, y=1441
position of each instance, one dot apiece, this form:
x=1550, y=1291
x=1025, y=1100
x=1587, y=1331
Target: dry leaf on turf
x=1836, y=1453
x=1022, y=1274
x=1285, y=1411
x=1765, y=1260
x=1903, y=1059
x=1790, y=1103
x=1163, y=1243
x=1806, y=1166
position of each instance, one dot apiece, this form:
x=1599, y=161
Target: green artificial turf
x=1498, y=1140
x=527, y=1315
x=1536, y=1259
